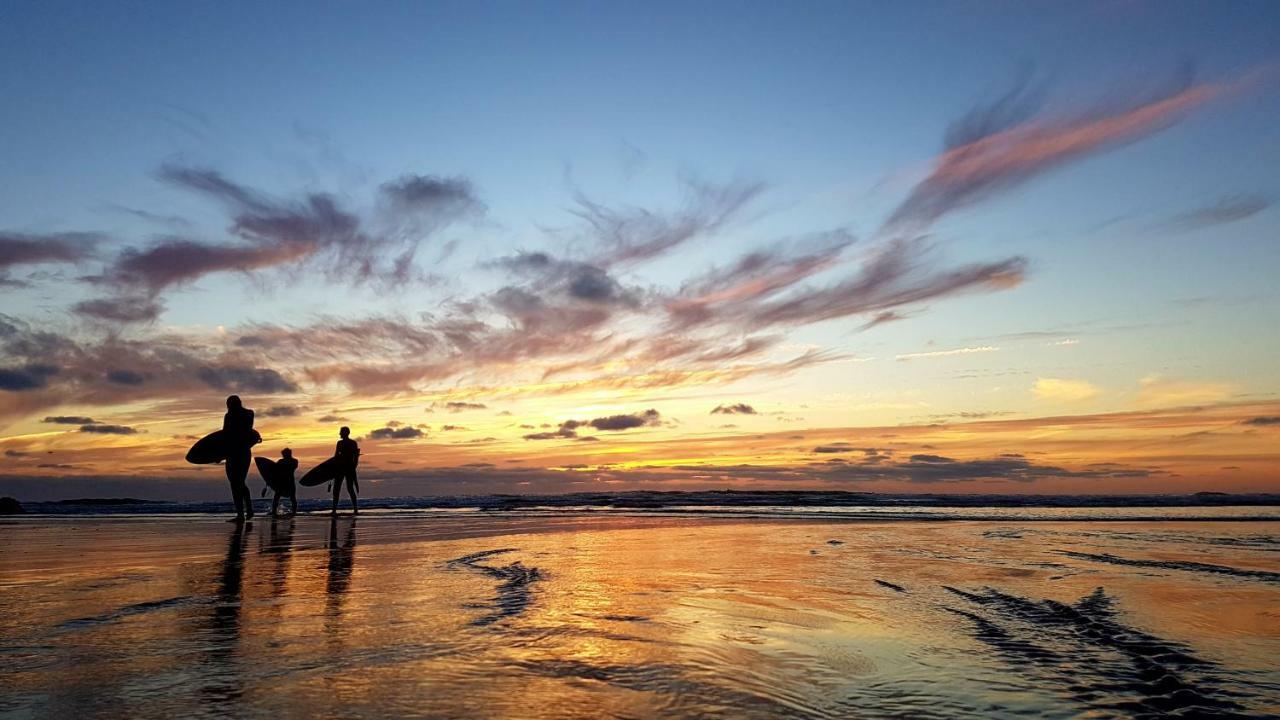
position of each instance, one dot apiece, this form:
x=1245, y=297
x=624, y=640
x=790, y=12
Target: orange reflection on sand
x=579, y=616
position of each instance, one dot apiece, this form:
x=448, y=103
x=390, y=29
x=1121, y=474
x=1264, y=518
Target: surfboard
x=330, y=469
x=275, y=476
x=212, y=448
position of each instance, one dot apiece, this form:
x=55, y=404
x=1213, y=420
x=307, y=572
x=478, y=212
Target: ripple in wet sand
x=1262, y=575
x=1085, y=652
x=514, y=593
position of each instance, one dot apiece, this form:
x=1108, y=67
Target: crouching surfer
x=349, y=452
x=284, y=485
x=241, y=437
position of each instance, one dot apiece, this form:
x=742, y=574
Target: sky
x=558, y=247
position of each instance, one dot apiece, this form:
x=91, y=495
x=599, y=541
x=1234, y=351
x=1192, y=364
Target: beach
x=576, y=614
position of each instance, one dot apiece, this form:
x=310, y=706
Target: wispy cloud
x=756, y=275
x=1003, y=145
x=29, y=249
x=1232, y=208
x=1064, y=389
x=631, y=234
x=266, y=233
x=125, y=309
x=1160, y=391
x=898, y=274
x=176, y=260
x=947, y=353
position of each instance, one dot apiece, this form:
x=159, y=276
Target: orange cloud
x=1159, y=391
x=1005, y=147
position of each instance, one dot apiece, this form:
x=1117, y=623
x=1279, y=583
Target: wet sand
x=581, y=616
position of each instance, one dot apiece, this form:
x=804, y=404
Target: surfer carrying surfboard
x=348, y=453
x=284, y=485
x=237, y=424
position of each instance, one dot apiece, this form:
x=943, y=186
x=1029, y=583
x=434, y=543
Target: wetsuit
x=349, y=451
x=238, y=424
x=286, y=467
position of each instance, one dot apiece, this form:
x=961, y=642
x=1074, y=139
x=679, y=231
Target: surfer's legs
x=350, y=479
x=244, y=503
x=237, y=467
x=275, y=504
x=236, y=498
x=293, y=504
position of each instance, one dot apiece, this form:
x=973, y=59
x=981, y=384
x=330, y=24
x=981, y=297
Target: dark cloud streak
x=123, y=309
x=735, y=409
x=34, y=249
x=108, y=429
x=1226, y=210
x=69, y=420
x=395, y=433
x=240, y=378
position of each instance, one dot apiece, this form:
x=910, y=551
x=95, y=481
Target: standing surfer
x=241, y=437
x=284, y=485
x=349, y=452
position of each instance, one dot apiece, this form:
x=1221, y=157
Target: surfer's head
x=286, y=453
x=345, y=432
x=233, y=402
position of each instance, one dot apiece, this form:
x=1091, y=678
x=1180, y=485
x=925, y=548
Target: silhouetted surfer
x=284, y=486
x=241, y=437
x=349, y=451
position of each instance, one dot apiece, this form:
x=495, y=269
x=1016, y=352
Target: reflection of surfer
x=341, y=562
x=284, y=486
x=241, y=437
x=349, y=452
x=221, y=668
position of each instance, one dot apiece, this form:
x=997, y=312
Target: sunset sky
x=934, y=247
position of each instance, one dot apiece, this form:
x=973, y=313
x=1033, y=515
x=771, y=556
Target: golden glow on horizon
x=1188, y=449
